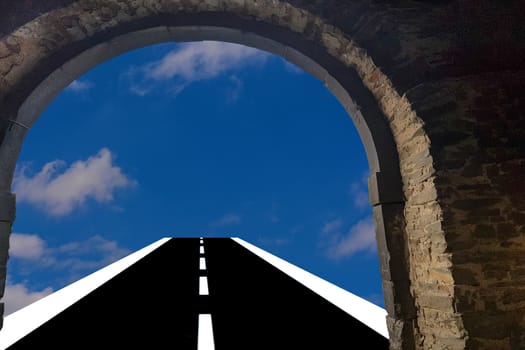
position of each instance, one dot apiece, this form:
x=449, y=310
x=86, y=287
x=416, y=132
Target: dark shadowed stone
x=486, y=325
x=484, y=231
x=464, y=275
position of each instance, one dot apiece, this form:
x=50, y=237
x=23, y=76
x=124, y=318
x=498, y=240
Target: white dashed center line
x=203, y=285
x=205, y=335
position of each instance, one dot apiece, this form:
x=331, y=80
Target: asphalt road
x=158, y=300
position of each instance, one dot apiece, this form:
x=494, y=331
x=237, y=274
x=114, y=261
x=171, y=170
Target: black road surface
x=156, y=301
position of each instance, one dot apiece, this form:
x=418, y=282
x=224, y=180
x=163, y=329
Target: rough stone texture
x=479, y=130
x=448, y=78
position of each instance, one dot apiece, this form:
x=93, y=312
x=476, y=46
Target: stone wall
x=477, y=131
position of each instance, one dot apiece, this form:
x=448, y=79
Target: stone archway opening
x=316, y=125
x=302, y=40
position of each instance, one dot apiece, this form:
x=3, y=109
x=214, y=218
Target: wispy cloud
x=30, y=254
x=26, y=246
x=91, y=253
x=291, y=68
x=234, y=91
x=190, y=63
x=359, y=192
x=17, y=296
x=204, y=60
x=59, y=193
x=332, y=226
x=359, y=238
x=226, y=220
x=80, y=86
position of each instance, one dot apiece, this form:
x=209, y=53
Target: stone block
x=484, y=231
x=487, y=325
x=384, y=189
x=7, y=207
x=468, y=275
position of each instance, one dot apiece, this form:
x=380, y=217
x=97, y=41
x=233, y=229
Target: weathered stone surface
x=468, y=274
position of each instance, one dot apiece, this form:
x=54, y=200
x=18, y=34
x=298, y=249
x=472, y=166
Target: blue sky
x=186, y=140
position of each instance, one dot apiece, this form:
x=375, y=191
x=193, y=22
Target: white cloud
x=359, y=196
x=226, y=220
x=68, y=262
x=234, y=91
x=17, y=296
x=90, y=254
x=60, y=193
x=203, y=60
x=332, y=226
x=359, y=238
x=291, y=68
x=79, y=86
x=26, y=246
x=359, y=193
x=192, y=62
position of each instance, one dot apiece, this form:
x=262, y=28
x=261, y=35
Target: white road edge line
x=205, y=333
x=366, y=312
x=22, y=322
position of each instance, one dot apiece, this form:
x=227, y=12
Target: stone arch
x=49, y=51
